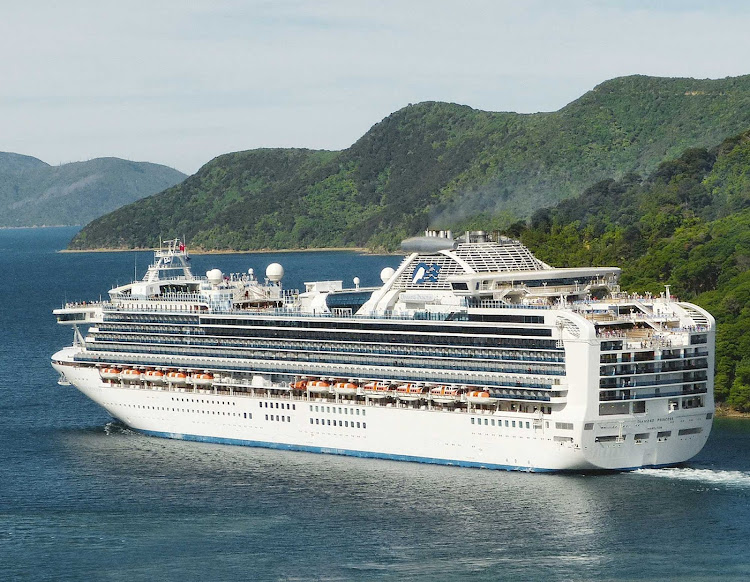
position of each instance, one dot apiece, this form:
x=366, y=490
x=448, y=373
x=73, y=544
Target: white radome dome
x=274, y=272
x=386, y=274
x=215, y=276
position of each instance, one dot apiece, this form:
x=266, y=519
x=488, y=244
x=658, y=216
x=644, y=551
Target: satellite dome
x=356, y=282
x=386, y=274
x=274, y=272
x=215, y=276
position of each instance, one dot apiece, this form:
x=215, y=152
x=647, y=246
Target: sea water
x=84, y=498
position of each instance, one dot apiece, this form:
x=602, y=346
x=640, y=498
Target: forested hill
x=687, y=224
x=435, y=164
x=33, y=193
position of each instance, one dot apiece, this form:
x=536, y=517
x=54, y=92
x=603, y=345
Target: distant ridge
x=33, y=193
x=432, y=164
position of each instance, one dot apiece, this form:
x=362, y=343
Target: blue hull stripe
x=347, y=452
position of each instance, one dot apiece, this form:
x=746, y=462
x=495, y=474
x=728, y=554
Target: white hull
x=475, y=438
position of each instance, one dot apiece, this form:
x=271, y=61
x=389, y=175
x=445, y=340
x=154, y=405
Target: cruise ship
x=472, y=352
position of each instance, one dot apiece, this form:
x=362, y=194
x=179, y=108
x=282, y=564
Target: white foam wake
x=114, y=427
x=708, y=476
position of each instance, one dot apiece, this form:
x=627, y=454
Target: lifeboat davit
x=131, y=375
x=110, y=374
x=155, y=376
x=478, y=397
x=202, y=379
x=345, y=388
x=445, y=394
x=177, y=378
x=318, y=386
x=377, y=389
x=410, y=392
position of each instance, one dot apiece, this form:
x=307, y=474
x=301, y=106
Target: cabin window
x=364, y=425
x=614, y=408
x=492, y=422
x=472, y=420
x=686, y=431
x=514, y=423
x=639, y=407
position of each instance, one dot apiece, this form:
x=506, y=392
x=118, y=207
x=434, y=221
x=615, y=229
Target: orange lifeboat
x=478, y=397
x=177, y=377
x=155, y=376
x=110, y=374
x=445, y=394
x=318, y=386
x=131, y=375
x=299, y=385
x=377, y=389
x=202, y=379
x=410, y=392
x=345, y=388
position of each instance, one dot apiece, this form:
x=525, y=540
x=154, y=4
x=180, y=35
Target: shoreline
x=724, y=412
x=360, y=250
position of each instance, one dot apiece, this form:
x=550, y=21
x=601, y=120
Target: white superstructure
x=473, y=352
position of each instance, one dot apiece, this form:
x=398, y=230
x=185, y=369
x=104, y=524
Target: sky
x=178, y=82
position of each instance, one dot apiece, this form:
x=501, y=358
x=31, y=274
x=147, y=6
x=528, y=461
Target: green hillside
x=436, y=164
x=687, y=225
x=34, y=193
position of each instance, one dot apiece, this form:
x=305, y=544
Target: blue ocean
x=82, y=497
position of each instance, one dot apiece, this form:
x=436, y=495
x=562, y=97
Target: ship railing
x=529, y=379
x=85, y=304
x=649, y=395
x=452, y=377
x=165, y=297
x=499, y=304
x=671, y=382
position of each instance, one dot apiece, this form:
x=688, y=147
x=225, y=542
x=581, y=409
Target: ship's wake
x=116, y=428
x=705, y=476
